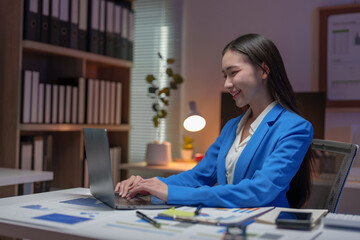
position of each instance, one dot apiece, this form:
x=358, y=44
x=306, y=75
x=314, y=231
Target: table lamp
x=194, y=122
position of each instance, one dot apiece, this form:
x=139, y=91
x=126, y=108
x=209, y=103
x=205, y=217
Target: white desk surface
x=17, y=219
x=11, y=176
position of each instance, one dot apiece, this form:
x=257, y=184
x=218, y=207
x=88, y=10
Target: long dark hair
x=261, y=51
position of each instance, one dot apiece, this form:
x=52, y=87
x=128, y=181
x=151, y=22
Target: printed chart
x=343, y=57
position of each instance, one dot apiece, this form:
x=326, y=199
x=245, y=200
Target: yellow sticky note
x=173, y=212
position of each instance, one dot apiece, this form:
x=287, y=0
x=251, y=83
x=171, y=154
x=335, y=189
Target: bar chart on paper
x=343, y=61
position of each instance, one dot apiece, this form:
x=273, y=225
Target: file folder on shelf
x=64, y=23
x=26, y=93
x=32, y=20
x=54, y=22
x=81, y=99
x=44, y=21
x=47, y=111
x=83, y=24
x=61, y=106
x=34, y=97
x=93, y=26
x=131, y=36
x=124, y=31
x=41, y=106
x=109, y=44
x=74, y=105
x=117, y=31
x=74, y=24
x=54, y=103
x=102, y=27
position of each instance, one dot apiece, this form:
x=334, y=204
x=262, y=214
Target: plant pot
x=186, y=154
x=158, y=153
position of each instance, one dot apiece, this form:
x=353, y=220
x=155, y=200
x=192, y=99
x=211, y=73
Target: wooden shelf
x=68, y=52
x=66, y=152
x=71, y=127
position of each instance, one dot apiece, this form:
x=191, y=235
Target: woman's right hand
x=123, y=187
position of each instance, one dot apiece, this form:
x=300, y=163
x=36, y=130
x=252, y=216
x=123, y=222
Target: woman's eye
x=233, y=73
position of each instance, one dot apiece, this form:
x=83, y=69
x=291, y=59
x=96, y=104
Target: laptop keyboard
x=136, y=201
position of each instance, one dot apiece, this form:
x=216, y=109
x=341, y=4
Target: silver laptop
x=100, y=175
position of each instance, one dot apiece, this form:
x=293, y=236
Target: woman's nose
x=228, y=84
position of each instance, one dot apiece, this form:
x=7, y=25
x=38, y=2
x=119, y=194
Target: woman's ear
x=265, y=71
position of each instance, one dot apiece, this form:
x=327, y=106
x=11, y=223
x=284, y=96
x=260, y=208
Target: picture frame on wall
x=339, y=55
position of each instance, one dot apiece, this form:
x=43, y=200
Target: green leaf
x=150, y=78
x=173, y=85
x=162, y=113
x=156, y=121
x=169, y=72
x=170, y=61
x=166, y=91
x=165, y=101
x=177, y=78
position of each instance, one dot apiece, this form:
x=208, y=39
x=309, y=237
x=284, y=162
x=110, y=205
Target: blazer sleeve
x=281, y=155
x=205, y=172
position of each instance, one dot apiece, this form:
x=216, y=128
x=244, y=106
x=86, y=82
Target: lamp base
x=158, y=153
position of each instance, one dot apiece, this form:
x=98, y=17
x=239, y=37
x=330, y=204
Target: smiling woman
x=261, y=157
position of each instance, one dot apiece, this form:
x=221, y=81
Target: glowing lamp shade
x=194, y=121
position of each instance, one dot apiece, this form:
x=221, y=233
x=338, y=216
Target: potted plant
x=187, y=150
x=159, y=153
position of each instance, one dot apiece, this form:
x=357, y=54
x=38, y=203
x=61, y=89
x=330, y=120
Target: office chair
x=332, y=162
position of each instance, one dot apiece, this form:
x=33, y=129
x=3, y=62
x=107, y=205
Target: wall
x=208, y=25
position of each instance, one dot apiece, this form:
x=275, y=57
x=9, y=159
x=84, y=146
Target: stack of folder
x=99, y=26
x=70, y=100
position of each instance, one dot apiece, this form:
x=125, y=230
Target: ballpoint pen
x=197, y=211
x=148, y=219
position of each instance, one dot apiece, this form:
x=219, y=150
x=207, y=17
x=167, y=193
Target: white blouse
x=237, y=146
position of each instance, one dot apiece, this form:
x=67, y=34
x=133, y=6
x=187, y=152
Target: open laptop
x=100, y=175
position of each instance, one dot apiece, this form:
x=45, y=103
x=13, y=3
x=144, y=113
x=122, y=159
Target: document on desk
x=214, y=216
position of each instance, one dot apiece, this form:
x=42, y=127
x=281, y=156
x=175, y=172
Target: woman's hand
x=136, y=184
x=124, y=186
x=152, y=185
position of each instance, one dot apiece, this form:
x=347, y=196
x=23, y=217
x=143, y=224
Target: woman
x=260, y=158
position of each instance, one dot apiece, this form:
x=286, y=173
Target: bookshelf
x=53, y=62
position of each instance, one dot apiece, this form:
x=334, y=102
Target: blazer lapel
x=228, y=141
x=249, y=151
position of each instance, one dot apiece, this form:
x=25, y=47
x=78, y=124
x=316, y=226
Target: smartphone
x=297, y=220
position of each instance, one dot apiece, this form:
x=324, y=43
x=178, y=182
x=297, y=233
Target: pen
x=197, y=211
x=148, y=219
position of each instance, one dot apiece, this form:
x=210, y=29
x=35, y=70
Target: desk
x=172, y=168
x=93, y=220
x=11, y=176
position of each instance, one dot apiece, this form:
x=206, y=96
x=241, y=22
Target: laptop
x=97, y=152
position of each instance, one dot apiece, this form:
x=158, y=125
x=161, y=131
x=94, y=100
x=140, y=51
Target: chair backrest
x=332, y=162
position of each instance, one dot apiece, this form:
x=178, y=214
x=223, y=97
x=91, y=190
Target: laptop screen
x=99, y=165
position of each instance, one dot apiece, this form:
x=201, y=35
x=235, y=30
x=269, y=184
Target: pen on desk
x=197, y=211
x=148, y=219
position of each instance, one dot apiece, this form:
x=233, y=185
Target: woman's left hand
x=153, y=186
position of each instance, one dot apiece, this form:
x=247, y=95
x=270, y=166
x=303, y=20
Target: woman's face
x=246, y=83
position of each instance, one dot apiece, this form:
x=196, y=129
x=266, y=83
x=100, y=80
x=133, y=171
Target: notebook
x=97, y=152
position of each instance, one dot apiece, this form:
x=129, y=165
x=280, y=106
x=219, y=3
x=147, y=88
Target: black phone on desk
x=294, y=220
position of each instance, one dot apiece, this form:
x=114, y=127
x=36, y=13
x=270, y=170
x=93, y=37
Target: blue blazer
x=262, y=173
